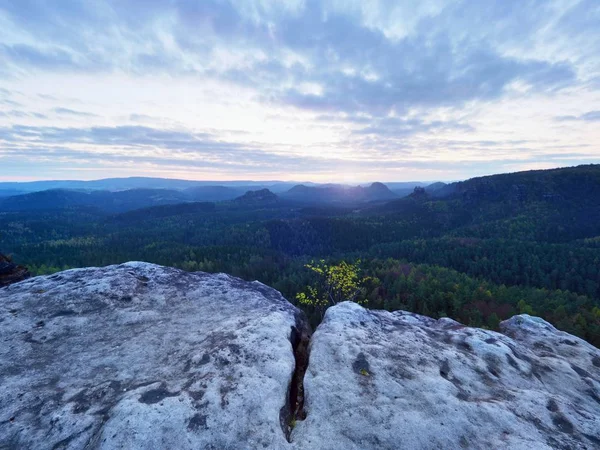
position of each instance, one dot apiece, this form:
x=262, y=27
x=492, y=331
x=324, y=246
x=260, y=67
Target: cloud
x=142, y=118
x=71, y=112
x=6, y=98
x=8, y=102
x=591, y=116
x=135, y=142
x=13, y=113
x=30, y=56
x=367, y=82
x=357, y=66
x=401, y=127
x=22, y=114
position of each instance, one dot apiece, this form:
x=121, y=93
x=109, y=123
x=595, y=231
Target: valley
x=478, y=251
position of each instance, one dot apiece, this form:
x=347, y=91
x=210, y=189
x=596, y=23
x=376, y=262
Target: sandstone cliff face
x=143, y=356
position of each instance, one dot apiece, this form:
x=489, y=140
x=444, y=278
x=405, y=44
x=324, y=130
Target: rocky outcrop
x=139, y=356
x=260, y=197
x=143, y=356
x=403, y=381
x=10, y=272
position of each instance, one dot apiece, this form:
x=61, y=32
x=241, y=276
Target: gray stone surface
x=139, y=356
x=402, y=381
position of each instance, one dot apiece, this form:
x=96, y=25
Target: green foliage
x=334, y=283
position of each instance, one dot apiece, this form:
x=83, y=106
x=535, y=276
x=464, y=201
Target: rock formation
x=143, y=356
x=139, y=356
x=403, y=381
x=10, y=272
x=262, y=196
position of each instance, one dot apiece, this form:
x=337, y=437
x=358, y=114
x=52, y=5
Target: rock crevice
x=293, y=410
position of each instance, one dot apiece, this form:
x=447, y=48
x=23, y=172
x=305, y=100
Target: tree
x=524, y=308
x=493, y=321
x=334, y=284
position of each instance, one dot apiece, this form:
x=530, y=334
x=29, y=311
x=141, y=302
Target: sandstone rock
x=139, y=356
x=403, y=381
x=10, y=272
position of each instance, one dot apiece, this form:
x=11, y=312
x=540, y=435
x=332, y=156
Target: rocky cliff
x=10, y=272
x=399, y=380
x=143, y=356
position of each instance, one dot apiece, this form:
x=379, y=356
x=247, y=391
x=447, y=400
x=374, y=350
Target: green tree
x=334, y=283
x=493, y=321
x=524, y=308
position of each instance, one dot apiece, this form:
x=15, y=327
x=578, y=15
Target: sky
x=341, y=90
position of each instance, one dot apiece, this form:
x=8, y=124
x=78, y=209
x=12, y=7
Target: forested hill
x=478, y=251
x=120, y=200
x=559, y=186
x=338, y=194
x=102, y=200
x=551, y=205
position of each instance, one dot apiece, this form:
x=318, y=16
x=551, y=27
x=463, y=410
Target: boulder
x=139, y=356
x=402, y=381
x=10, y=272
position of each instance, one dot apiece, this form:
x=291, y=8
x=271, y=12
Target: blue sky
x=348, y=91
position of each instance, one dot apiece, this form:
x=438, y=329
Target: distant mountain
x=116, y=201
x=402, y=189
x=121, y=184
x=379, y=191
x=395, y=185
x=108, y=184
x=550, y=205
x=260, y=197
x=10, y=192
x=407, y=189
x=564, y=188
x=434, y=187
x=103, y=200
x=142, y=198
x=579, y=184
x=51, y=199
x=339, y=194
x=301, y=192
x=213, y=193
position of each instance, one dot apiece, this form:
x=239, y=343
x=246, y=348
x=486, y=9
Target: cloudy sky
x=336, y=90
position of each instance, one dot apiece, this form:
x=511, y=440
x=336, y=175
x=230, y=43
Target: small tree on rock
x=335, y=283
